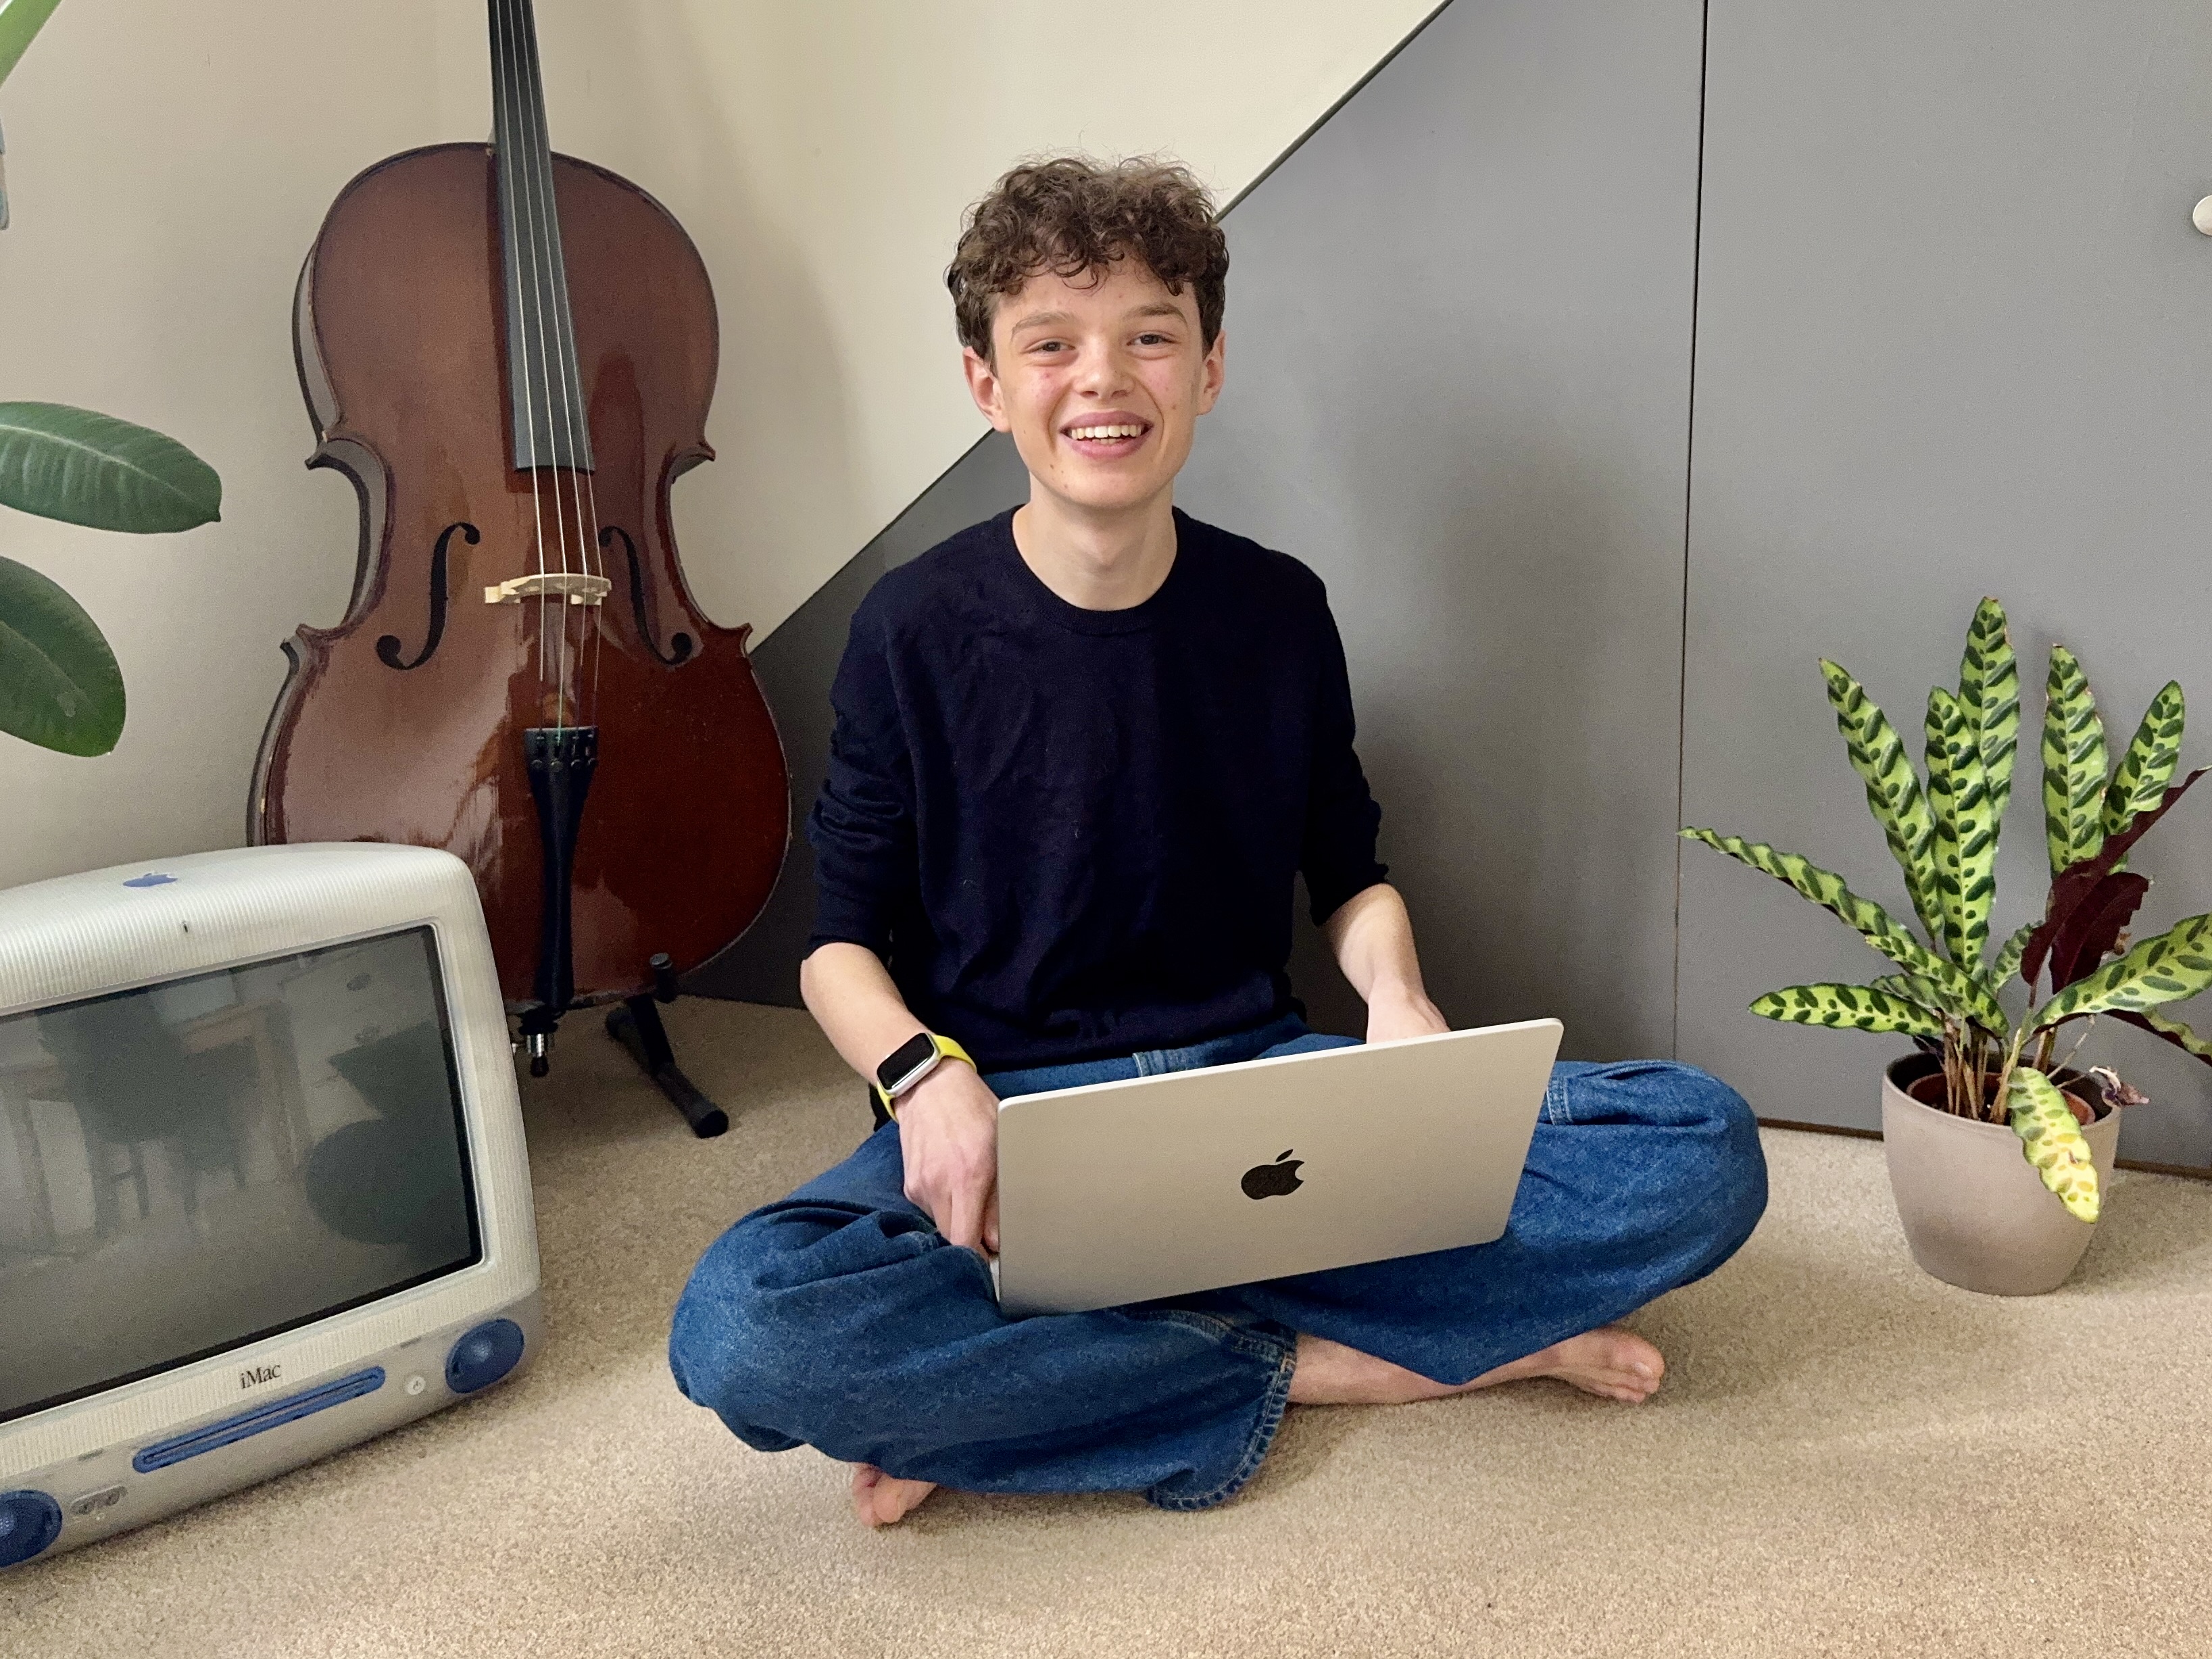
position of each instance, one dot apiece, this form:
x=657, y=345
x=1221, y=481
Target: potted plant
x=1997, y=1149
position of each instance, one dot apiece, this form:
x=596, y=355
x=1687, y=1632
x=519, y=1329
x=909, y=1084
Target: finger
x=991, y=1221
x=961, y=1223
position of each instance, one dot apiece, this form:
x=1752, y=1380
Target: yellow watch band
x=948, y=1049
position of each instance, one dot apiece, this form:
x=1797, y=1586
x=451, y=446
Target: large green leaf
x=1859, y=1007
x=1966, y=829
x=2139, y=780
x=88, y=469
x=2073, y=764
x=1880, y=929
x=20, y=19
x=2173, y=967
x=60, y=687
x=1893, y=790
x=1988, y=691
x=2051, y=1137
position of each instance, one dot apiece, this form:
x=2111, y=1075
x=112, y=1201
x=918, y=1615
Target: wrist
x=914, y=1064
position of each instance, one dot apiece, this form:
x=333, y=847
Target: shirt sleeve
x=861, y=827
x=1338, y=859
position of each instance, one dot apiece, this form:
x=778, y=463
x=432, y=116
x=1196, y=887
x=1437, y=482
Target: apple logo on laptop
x=1274, y=1180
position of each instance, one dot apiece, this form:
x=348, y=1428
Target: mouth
x=1107, y=437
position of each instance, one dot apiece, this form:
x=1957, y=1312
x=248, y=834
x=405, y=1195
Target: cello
x=511, y=354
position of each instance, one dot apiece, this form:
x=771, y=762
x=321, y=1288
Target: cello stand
x=635, y=1023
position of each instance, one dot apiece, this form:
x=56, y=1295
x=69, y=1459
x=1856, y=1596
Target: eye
x=1154, y=339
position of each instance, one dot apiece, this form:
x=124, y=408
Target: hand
x=948, y=1127
x=1395, y=1015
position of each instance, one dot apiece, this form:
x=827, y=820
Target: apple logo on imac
x=1274, y=1180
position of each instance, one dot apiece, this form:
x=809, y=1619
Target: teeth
x=1106, y=432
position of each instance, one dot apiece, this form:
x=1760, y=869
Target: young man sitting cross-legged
x=1081, y=752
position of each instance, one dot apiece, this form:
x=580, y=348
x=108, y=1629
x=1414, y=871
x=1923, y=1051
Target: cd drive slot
x=271, y=1414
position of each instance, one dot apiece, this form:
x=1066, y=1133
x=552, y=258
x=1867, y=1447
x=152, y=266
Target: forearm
x=1372, y=939
x=851, y=997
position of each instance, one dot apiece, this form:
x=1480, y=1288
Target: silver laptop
x=1162, y=1186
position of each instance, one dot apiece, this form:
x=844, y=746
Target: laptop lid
x=1163, y=1186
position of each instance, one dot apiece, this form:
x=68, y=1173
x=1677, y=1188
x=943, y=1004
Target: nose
x=1106, y=373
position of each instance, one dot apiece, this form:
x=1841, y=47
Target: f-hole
x=387, y=648
x=679, y=645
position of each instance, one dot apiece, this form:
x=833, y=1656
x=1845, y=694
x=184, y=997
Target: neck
x=1098, y=560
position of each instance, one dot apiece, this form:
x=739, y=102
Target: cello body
x=406, y=722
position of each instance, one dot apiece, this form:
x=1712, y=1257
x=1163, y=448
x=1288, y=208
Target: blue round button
x=483, y=1355
x=29, y=1521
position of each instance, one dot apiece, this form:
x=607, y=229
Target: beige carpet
x=1848, y=1458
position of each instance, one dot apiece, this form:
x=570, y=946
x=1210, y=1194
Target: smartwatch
x=911, y=1061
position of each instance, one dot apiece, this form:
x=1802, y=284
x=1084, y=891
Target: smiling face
x=1101, y=378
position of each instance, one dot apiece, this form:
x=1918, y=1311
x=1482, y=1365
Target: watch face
x=917, y=1050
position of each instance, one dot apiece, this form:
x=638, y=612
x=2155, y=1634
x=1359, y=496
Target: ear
x=983, y=386
x=1211, y=372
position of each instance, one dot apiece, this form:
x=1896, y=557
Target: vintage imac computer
x=263, y=1190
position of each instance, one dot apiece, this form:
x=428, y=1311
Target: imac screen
x=193, y=1165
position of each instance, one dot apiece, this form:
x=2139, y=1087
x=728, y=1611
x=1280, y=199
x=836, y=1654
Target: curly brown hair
x=1069, y=215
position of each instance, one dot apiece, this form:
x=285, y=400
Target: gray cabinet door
x=1955, y=338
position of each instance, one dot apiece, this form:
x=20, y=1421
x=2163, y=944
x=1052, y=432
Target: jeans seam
x=1272, y=1407
x=1556, y=1109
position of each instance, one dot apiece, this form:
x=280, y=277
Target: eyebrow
x=1062, y=319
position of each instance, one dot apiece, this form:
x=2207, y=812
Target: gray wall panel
x=1459, y=333
x=1955, y=338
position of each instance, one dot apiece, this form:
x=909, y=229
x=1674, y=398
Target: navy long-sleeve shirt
x=1073, y=833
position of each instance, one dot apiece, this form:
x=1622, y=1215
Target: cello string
x=540, y=305
x=576, y=420
x=508, y=150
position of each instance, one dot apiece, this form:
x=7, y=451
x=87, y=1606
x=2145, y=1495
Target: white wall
x=168, y=166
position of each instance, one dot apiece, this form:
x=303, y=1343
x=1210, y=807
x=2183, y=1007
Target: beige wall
x=168, y=166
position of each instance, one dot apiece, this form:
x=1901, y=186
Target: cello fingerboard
x=545, y=392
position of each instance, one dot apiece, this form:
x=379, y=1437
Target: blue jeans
x=839, y=1318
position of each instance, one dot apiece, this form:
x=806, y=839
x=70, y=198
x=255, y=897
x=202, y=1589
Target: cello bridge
x=575, y=585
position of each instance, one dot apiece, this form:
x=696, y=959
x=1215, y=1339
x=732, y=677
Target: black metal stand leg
x=636, y=1025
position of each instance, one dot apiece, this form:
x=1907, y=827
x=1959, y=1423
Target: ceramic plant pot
x=1975, y=1213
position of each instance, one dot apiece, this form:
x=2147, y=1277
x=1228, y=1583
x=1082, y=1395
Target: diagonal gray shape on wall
x=1460, y=338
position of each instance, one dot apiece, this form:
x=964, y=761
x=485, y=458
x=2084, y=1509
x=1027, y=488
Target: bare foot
x=1611, y=1362
x=884, y=1500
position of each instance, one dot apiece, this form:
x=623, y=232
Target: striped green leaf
x=1893, y=790
x=2173, y=967
x=2051, y=1138
x=2073, y=764
x=1853, y=1007
x=1988, y=690
x=1915, y=988
x=1912, y=988
x=1972, y=849
x=1945, y=728
x=2009, y=957
x=1880, y=929
x=2174, y=1032
x=2139, y=780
